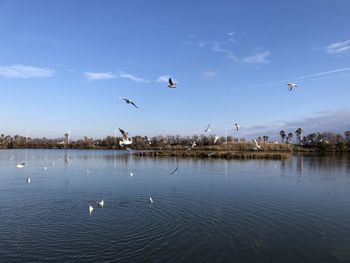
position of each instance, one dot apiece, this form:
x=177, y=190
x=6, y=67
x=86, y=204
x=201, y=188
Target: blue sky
x=64, y=64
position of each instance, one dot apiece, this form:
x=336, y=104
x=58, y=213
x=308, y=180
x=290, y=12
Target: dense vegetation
x=325, y=141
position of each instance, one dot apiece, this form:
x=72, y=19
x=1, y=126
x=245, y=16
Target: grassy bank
x=226, y=151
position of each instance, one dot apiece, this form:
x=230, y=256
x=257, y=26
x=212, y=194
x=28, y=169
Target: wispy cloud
x=258, y=58
x=324, y=73
x=218, y=47
x=165, y=79
x=132, y=77
x=23, y=71
x=209, y=74
x=99, y=75
x=339, y=47
x=330, y=73
x=333, y=121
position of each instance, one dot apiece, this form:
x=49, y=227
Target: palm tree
x=347, y=136
x=298, y=133
x=283, y=135
x=289, y=137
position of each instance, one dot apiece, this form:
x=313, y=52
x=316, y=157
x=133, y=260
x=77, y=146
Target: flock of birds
x=100, y=204
x=127, y=140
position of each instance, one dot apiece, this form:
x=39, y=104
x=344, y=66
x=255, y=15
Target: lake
x=295, y=210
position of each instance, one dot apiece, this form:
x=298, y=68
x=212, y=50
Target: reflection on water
x=294, y=210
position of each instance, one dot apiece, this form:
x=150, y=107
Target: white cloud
x=132, y=77
x=209, y=74
x=99, y=75
x=22, y=71
x=339, y=47
x=258, y=58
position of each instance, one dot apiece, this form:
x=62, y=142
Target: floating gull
x=87, y=171
x=101, y=203
x=45, y=168
x=237, y=126
x=131, y=174
x=126, y=140
x=151, y=200
x=216, y=138
x=90, y=209
x=174, y=172
x=128, y=101
x=171, y=83
x=207, y=129
x=291, y=86
x=20, y=165
x=257, y=146
x=28, y=180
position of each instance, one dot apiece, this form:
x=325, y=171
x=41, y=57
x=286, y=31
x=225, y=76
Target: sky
x=64, y=64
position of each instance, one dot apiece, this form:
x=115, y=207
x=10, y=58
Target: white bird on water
x=126, y=139
x=207, y=129
x=101, y=203
x=237, y=126
x=291, y=86
x=216, y=139
x=20, y=165
x=90, y=209
x=151, y=200
x=171, y=83
x=257, y=146
x=28, y=180
x=131, y=174
x=128, y=101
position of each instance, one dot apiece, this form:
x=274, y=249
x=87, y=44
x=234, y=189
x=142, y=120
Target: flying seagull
x=207, y=129
x=28, y=180
x=216, y=138
x=257, y=146
x=171, y=83
x=20, y=165
x=192, y=146
x=151, y=200
x=237, y=126
x=291, y=86
x=128, y=101
x=90, y=209
x=126, y=140
x=174, y=172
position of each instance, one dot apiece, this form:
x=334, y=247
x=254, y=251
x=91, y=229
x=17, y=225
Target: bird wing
x=171, y=82
x=132, y=103
x=173, y=172
x=256, y=143
x=124, y=133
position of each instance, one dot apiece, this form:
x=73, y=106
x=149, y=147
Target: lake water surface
x=297, y=210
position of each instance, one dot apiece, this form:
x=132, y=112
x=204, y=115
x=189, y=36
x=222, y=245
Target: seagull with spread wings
x=291, y=86
x=237, y=126
x=257, y=146
x=128, y=101
x=171, y=84
x=207, y=129
x=126, y=139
